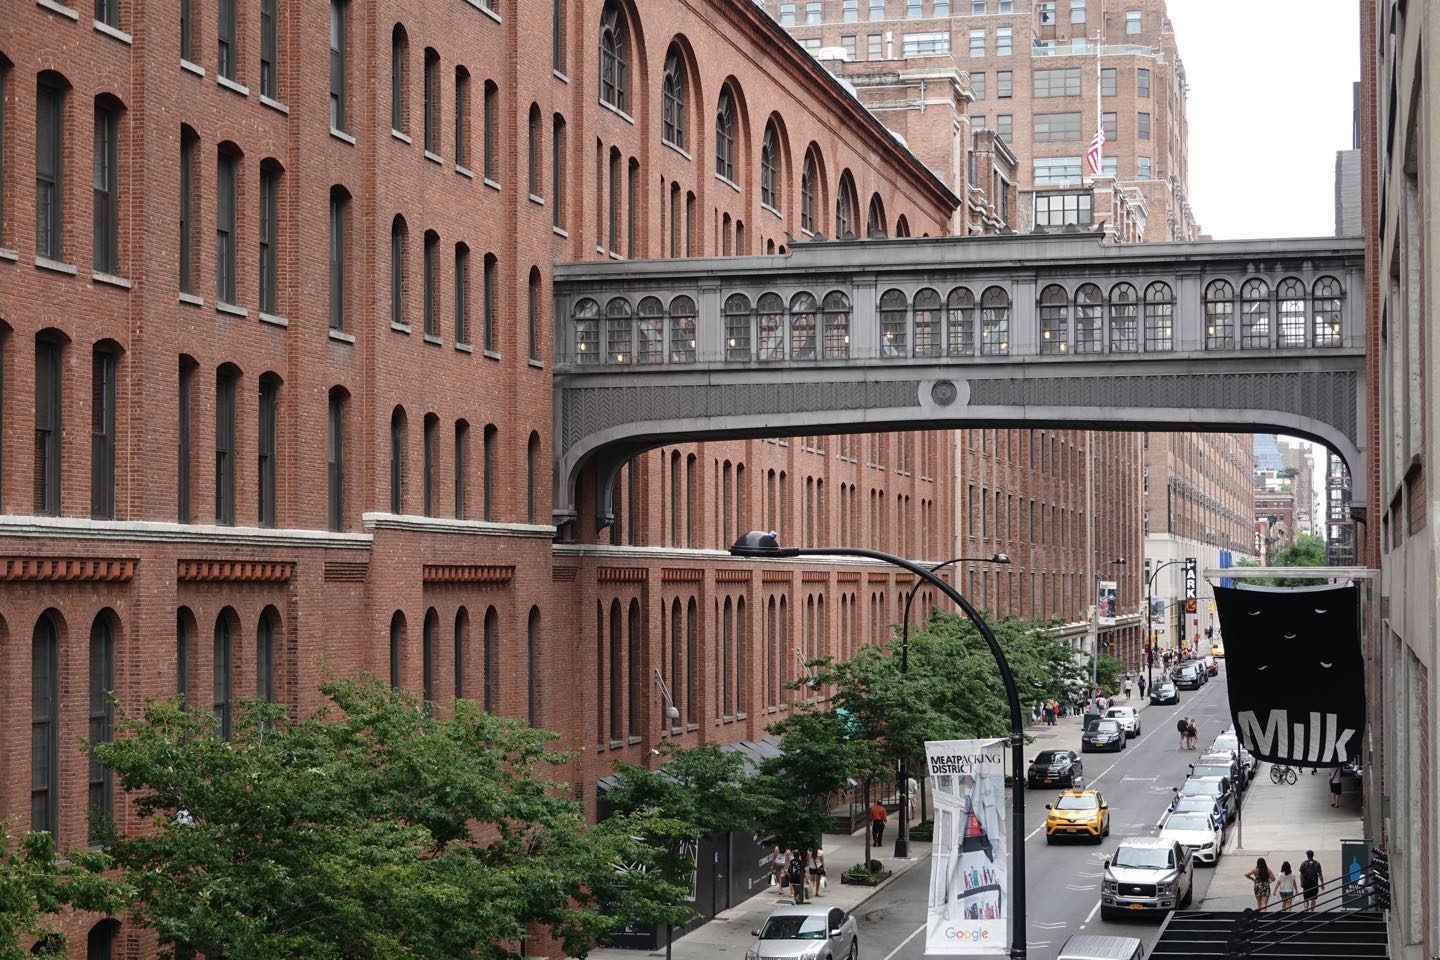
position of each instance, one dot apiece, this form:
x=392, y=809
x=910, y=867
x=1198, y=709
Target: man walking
x=1142, y=688
x=1183, y=725
x=878, y=817
x=1127, y=686
x=1311, y=879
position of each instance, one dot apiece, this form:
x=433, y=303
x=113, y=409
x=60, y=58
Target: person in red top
x=878, y=818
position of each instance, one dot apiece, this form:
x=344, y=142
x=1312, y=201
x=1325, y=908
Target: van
x=1085, y=946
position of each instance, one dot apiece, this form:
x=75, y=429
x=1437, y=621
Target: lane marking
x=918, y=930
x=1088, y=917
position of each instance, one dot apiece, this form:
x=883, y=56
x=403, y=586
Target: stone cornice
x=245, y=571
x=417, y=524
x=466, y=573
x=149, y=531
x=73, y=569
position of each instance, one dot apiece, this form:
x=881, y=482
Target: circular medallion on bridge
x=943, y=392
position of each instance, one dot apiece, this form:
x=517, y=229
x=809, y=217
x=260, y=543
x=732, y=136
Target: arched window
x=399, y=271
x=224, y=672
x=618, y=331
x=462, y=650
x=535, y=154
x=335, y=457
x=429, y=454
x=397, y=460
x=902, y=226
x=45, y=726
x=1219, y=315
x=725, y=136
x=808, y=193
x=1254, y=315
x=845, y=212
x=1290, y=313
x=1328, y=306
x=835, y=322
x=587, y=331
x=725, y=657
x=672, y=98
x=1124, y=332
x=737, y=327
x=533, y=306
x=100, y=942
x=491, y=451
x=1054, y=319
x=650, y=331
x=995, y=322
x=634, y=664
x=492, y=660
x=265, y=654
x=960, y=323
x=104, y=401
x=101, y=801
x=1089, y=302
x=616, y=672
x=532, y=664
x=397, y=647
x=770, y=168
x=677, y=659
x=692, y=657
x=894, y=308
x=682, y=330
x=802, y=326
x=927, y=323
x=1160, y=318
x=532, y=478
x=614, y=58
x=875, y=218
x=427, y=655
x=399, y=80
x=770, y=327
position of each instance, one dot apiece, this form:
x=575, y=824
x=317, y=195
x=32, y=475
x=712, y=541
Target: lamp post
x=759, y=545
x=1150, y=627
x=902, y=836
x=1095, y=627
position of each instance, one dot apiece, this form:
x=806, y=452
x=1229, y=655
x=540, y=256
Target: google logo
x=972, y=935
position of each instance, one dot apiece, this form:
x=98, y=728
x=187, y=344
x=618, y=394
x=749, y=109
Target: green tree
x=1307, y=551
x=370, y=829
x=35, y=884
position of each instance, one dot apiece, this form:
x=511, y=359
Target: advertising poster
x=1105, y=603
x=969, y=878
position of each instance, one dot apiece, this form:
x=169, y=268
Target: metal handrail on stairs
x=1253, y=922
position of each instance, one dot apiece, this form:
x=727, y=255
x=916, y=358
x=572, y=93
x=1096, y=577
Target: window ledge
x=7, y=254
x=616, y=744
x=59, y=8
x=434, y=157
x=115, y=32
x=537, y=364
x=191, y=299
x=558, y=75
x=342, y=135
x=494, y=184
x=464, y=348
x=273, y=320
x=807, y=233
x=766, y=206
x=485, y=10
x=55, y=266
x=560, y=232
x=537, y=199
x=402, y=137
x=432, y=339
x=492, y=354
x=340, y=336
x=229, y=84
x=617, y=111
x=400, y=327
x=99, y=276
x=692, y=727
x=726, y=180
x=615, y=256
x=274, y=104
x=222, y=307
x=678, y=149
x=464, y=171
x=632, y=740
x=194, y=68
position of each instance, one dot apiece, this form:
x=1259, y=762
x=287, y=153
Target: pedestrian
x=1049, y=714
x=1312, y=878
x=797, y=876
x=1183, y=725
x=1286, y=886
x=878, y=817
x=1127, y=686
x=1263, y=879
x=1334, y=786
x=1191, y=734
x=1142, y=688
x=777, y=866
x=813, y=870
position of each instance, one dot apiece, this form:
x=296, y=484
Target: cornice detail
x=72, y=569
x=466, y=573
x=232, y=571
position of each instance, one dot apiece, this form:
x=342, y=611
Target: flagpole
x=1099, y=93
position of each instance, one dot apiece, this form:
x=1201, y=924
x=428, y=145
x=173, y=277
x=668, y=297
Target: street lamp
x=760, y=545
x=1149, y=626
x=1095, y=627
x=902, y=836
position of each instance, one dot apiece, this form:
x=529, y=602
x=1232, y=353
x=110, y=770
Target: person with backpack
x=1183, y=725
x=1312, y=877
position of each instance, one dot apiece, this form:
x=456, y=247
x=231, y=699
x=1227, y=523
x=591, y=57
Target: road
x=1064, y=880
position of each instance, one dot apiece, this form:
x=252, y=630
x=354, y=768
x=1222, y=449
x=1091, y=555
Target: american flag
x=1092, y=156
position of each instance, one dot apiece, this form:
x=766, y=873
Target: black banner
x=1295, y=671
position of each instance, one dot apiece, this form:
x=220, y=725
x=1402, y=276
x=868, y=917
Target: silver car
x=807, y=931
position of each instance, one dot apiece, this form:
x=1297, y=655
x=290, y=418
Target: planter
x=923, y=831
x=864, y=879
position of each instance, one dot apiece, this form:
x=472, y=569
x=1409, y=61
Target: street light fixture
x=1095, y=628
x=758, y=545
x=1149, y=626
x=902, y=836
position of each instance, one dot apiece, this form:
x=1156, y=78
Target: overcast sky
x=1270, y=103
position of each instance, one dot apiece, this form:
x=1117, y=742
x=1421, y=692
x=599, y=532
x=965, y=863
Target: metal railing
x=1279, y=926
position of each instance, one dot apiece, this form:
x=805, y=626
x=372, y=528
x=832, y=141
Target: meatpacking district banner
x=969, y=879
x=1295, y=671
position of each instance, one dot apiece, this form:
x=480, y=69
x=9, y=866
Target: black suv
x=1190, y=676
x=1055, y=767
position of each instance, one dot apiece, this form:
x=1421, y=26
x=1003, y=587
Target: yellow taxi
x=1077, y=815
x=1217, y=650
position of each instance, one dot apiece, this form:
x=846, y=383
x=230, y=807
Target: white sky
x=1270, y=103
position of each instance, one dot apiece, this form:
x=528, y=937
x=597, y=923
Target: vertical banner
x=969, y=878
x=1192, y=586
x=1105, y=603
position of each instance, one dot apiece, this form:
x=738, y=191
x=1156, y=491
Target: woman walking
x=1287, y=886
x=1191, y=734
x=1263, y=878
x=817, y=870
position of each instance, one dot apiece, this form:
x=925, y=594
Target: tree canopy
x=35, y=884
x=1307, y=551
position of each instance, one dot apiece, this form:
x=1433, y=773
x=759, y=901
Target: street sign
x=1192, y=585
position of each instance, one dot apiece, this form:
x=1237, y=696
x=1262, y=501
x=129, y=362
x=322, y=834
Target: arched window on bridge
x=1159, y=317
x=650, y=331
x=1089, y=327
x=1290, y=313
x=802, y=326
x=587, y=331
x=737, y=327
x=1123, y=333
x=847, y=208
x=927, y=323
x=960, y=323
x=1328, y=303
x=770, y=326
x=995, y=322
x=1254, y=315
x=835, y=322
x=1054, y=319
x=875, y=219
x=682, y=330
x=893, y=308
x=618, y=331
x=1219, y=315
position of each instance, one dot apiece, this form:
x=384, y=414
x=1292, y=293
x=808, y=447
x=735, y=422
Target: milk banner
x=969, y=878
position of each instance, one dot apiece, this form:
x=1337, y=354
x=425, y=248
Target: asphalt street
x=1064, y=880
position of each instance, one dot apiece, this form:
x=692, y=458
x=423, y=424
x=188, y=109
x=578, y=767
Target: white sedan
x=1197, y=832
x=1128, y=717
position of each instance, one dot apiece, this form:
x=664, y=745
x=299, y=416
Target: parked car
x=1164, y=692
x=1217, y=650
x=1087, y=946
x=1102, y=734
x=816, y=931
x=1206, y=805
x=1229, y=742
x=1212, y=666
x=1197, y=832
x=1054, y=767
x=1128, y=717
x=1219, y=764
x=1218, y=787
x=1189, y=676
x=1077, y=815
x=1146, y=874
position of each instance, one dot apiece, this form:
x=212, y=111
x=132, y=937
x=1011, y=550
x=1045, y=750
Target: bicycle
x=1279, y=773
